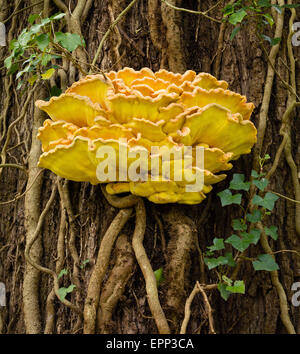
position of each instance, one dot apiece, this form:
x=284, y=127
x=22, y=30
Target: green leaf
x=86, y=261
x=257, y=200
x=237, y=182
x=261, y=184
x=24, y=38
x=218, y=244
x=238, y=243
x=20, y=84
x=228, y=10
x=265, y=262
x=227, y=280
x=42, y=41
x=253, y=236
x=27, y=69
x=269, y=18
x=229, y=259
x=69, y=41
x=275, y=41
x=62, y=272
x=32, y=79
x=254, y=174
x=14, y=67
x=242, y=243
x=234, y=32
x=237, y=17
x=57, y=16
x=8, y=61
x=63, y=292
x=56, y=91
x=32, y=18
x=227, y=198
x=291, y=6
x=272, y=41
x=238, y=225
x=277, y=8
x=222, y=260
x=45, y=59
x=237, y=288
x=35, y=28
x=223, y=292
x=254, y=217
x=272, y=231
x=48, y=74
x=269, y=200
x=159, y=276
x=264, y=3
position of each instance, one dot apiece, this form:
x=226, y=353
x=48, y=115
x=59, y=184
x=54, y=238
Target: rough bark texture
x=155, y=36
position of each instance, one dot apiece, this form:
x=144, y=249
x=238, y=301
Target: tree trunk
x=150, y=35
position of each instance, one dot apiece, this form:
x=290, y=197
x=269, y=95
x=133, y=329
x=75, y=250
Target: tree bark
x=150, y=35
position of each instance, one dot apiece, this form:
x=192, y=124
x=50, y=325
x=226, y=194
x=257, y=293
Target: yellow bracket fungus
x=130, y=112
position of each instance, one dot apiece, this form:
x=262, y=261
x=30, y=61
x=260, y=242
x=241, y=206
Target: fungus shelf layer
x=131, y=112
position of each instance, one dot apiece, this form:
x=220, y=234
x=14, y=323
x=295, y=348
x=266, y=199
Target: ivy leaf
x=291, y=6
x=86, y=261
x=277, y=8
x=265, y=262
x=227, y=280
x=223, y=292
x=257, y=200
x=14, y=67
x=159, y=276
x=56, y=91
x=42, y=41
x=8, y=61
x=238, y=243
x=229, y=259
x=272, y=41
x=237, y=288
x=254, y=174
x=242, y=243
x=238, y=225
x=264, y=3
x=237, y=182
x=211, y=262
x=261, y=184
x=269, y=18
x=32, y=79
x=234, y=32
x=253, y=236
x=218, y=244
x=25, y=70
x=222, y=260
x=62, y=272
x=20, y=84
x=69, y=41
x=24, y=38
x=63, y=292
x=269, y=201
x=272, y=231
x=227, y=198
x=45, y=59
x=57, y=16
x=254, y=217
x=32, y=18
x=237, y=17
x=228, y=10
x=48, y=74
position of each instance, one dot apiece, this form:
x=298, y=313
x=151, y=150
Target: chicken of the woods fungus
x=139, y=110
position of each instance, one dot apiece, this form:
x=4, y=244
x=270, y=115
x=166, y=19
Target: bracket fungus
x=130, y=112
